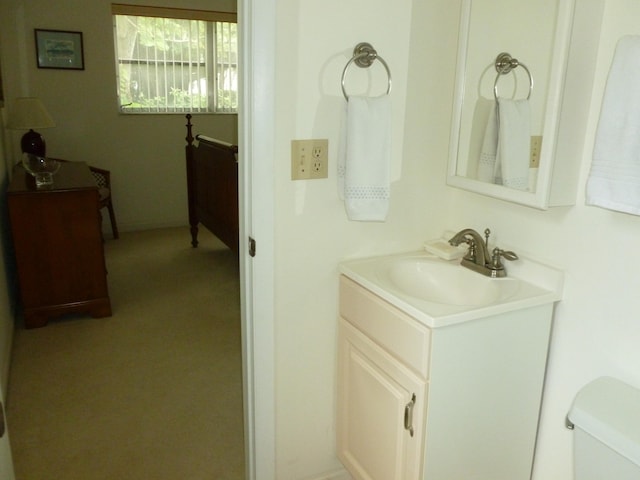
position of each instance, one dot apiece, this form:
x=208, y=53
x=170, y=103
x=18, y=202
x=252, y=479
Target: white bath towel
x=364, y=164
x=489, y=149
x=614, y=179
x=514, y=143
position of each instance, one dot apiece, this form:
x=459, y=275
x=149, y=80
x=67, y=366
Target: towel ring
x=504, y=64
x=363, y=56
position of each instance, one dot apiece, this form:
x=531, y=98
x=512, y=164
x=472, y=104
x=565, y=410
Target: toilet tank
x=606, y=419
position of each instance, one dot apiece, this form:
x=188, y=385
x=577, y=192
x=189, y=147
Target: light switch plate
x=309, y=159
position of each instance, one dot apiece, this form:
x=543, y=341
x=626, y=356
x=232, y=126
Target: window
x=175, y=61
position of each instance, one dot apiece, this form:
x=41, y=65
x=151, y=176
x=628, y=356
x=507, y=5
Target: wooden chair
x=103, y=179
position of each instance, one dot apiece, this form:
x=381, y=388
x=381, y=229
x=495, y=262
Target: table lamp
x=29, y=113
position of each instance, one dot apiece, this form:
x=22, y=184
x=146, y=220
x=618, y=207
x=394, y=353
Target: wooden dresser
x=58, y=245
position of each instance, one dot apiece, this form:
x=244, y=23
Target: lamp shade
x=28, y=113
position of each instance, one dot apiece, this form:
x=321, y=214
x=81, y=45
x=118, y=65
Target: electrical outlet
x=536, y=145
x=320, y=159
x=309, y=159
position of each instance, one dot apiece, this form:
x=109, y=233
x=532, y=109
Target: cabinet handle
x=2, y=423
x=408, y=415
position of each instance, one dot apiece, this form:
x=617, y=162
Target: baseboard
x=138, y=227
x=341, y=474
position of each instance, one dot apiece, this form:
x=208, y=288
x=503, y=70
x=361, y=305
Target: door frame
x=257, y=20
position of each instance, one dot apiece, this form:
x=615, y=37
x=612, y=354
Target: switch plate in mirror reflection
x=552, y=53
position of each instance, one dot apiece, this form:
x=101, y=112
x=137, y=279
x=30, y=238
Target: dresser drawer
x=395, y=331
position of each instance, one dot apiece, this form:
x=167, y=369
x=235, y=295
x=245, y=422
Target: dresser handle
x=2, y=422
x=408, y=415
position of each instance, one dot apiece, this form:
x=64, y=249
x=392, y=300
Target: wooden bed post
x=212, y=183
x=191, y=184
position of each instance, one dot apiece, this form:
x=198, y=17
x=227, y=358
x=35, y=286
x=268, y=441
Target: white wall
x=314, y=42
x=7, y=289
x=597, y=325
x=7, y=307
x=7, y=300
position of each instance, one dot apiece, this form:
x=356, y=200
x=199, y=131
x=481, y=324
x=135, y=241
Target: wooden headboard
x=212, y=186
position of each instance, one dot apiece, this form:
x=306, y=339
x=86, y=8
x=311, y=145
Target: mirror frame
x=553, y=104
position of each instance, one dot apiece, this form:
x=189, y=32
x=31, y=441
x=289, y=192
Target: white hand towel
x=487, y=164
x=514, y=143
x=614, y=180
x=364, y=165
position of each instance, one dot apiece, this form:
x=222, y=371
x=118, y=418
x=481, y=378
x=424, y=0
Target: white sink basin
x=434, y=280
x=440, y=293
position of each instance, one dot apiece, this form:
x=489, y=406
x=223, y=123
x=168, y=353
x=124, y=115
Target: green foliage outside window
x=172, y=65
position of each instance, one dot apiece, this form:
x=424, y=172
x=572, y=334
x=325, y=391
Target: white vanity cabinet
x=451, y=402
x=383, y=360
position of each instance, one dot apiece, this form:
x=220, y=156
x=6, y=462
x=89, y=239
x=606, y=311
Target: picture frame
x=59, y=49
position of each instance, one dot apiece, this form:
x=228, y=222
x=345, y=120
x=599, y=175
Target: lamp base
x=32, y=142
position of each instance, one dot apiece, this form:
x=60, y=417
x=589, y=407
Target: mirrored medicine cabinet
x=544, y=51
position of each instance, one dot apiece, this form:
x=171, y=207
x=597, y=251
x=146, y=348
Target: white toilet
x=606, y=419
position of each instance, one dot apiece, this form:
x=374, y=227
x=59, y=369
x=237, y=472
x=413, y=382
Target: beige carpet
x=153, y=392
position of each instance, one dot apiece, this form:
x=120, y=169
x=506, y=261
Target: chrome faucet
x=478, y=257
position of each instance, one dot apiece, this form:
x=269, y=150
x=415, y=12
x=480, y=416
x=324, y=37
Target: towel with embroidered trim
x=514, y=143
x=365, y=160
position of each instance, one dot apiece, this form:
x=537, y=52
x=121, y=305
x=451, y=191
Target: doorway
x=257, y=19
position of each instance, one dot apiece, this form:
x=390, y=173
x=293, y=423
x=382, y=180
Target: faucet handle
x=509, y=255
x=497, y=253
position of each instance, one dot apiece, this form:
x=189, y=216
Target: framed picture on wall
x=59, y=49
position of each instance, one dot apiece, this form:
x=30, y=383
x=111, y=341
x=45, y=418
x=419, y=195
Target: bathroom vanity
x=441, y=390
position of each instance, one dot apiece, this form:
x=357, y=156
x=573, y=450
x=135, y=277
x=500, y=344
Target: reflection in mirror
x=501, y=110
x=507, y=108
x=500, y=144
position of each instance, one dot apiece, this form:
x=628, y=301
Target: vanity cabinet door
x=380, y=411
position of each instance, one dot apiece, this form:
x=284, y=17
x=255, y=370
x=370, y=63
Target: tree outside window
x=175, y=65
